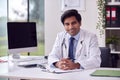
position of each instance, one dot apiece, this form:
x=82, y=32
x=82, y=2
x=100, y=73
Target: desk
x=37, y=74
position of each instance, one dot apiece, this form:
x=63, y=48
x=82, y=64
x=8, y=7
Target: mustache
x=71, y=29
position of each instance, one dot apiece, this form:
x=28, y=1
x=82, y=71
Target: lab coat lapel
x=80, y=44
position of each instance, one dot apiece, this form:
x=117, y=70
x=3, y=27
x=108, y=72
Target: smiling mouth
x=72, y=30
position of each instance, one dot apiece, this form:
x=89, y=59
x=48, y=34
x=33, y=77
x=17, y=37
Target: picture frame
x=73, y=4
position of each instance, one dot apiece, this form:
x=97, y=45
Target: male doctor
x=74, y=48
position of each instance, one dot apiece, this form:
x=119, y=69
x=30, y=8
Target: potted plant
x=112, y=42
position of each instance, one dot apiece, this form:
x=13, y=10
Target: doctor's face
x=72, y=26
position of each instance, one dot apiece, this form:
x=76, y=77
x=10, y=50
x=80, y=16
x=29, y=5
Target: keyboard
x=33, y=65
x=31, y=58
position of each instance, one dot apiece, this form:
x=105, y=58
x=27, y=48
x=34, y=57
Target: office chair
x=105, y=57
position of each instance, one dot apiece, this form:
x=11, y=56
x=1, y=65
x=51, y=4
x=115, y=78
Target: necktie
x=71, y=45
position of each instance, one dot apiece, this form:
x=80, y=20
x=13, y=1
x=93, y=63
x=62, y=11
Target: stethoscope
x=63, y=45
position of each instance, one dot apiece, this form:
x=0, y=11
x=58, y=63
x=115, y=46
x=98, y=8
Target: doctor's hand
x=67, y=64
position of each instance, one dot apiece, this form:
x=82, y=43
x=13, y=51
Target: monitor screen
x=22, y=37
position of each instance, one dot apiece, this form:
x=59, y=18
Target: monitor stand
x=16, y=55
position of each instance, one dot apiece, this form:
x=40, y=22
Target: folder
x=106, y=73
x=112, y=16
x=108, y=16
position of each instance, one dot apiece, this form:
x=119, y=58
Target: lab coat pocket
x=83, y=54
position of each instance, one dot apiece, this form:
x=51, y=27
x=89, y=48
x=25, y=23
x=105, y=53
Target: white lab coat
x=87, y=50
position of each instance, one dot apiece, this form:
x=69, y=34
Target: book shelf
x=113, y=22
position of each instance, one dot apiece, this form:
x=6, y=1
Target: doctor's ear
x=80, y=23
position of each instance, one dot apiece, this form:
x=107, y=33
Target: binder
x=112, y=16
x=108, y=12
x=106, y=73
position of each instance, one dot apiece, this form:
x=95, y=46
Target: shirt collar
x=77, y=36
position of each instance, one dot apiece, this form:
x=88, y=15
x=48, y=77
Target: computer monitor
x=22, y=37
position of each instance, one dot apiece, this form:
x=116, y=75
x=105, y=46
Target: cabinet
x=113, y=23
x=113, y=28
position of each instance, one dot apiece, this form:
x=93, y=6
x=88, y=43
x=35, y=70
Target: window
x=3, y=30
x=17, y=10
x=22, y=11
x=36, y=14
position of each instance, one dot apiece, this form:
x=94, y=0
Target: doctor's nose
x=71, y=26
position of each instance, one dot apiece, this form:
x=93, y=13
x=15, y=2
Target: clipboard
x=106, y=73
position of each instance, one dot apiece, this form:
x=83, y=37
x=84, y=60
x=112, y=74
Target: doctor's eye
x=66, y=24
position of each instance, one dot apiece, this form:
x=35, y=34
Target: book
x=106, y=73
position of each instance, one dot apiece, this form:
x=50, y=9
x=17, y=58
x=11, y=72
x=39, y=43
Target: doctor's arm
x=55, y=55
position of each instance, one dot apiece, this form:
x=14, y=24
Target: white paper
x=58, y=71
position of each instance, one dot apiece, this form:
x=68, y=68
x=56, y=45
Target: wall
x=53, y=24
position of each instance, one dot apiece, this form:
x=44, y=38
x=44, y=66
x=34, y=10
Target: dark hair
x=70, y=13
